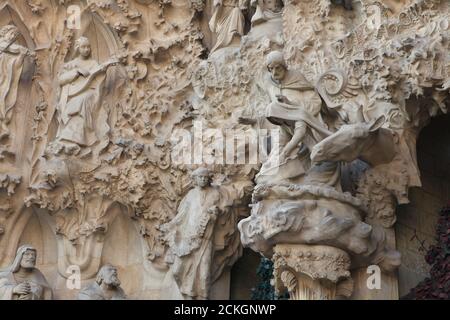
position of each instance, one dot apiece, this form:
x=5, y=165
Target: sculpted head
x=9, y=33
x=108, y=275
x=276, y=65
x=28, y=259
x=25, y=259
x=83, y=47
x=273, y=5
x=201, y=177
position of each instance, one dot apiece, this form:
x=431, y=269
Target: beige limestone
x=94, y=93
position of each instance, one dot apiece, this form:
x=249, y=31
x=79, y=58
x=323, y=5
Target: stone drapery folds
x=96, y=102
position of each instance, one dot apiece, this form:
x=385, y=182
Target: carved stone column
x=312, y=272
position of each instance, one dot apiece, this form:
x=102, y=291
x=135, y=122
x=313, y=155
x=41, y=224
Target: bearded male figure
x=295, y=107
x=22, y=280
x=105, y=287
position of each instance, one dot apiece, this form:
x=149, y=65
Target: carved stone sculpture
x=190, y=237
x=11, y=64
x=335, y=91
x=312, y=272
x=228, y=22
x=105, y=287
x=304, y=203
x=80, y=83
x=266, y=10
x=297, y=108
x=22, y=280
x=266, y=21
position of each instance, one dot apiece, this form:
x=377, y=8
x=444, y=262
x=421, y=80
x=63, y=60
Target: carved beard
x=28, y=264
x=112, y=281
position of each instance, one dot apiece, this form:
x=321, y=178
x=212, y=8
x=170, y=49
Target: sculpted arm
x=297, y=138
x=67, y=76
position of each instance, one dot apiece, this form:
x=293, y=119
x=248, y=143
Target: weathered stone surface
x=297, y=121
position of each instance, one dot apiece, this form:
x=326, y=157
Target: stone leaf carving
x=304, y=270
x=93, y=164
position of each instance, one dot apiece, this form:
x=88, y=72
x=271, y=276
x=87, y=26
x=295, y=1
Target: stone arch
x=104, y=40
x=38, y=232
x=416, y=221
x=123, y=249
x=10, y=16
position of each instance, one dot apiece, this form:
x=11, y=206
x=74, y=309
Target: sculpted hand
x=23, y=288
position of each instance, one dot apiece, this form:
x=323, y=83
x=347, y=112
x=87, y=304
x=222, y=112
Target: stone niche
x=417, y=221
x=145, y=143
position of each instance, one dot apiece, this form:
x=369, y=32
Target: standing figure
x=80, y=87
x=228, y=21
x=296, y=108
x=22, y=280
x=266, y=10
x=12, y=58
x=105, y=287
x=190, y=237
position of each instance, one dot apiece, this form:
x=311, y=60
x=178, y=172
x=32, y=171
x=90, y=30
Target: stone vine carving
x=100, y=97
x=318, y=263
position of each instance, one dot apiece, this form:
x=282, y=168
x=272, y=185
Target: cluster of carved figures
x=23, y=281
x=87, y=147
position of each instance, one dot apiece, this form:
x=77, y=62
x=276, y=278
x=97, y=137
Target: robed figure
x=228, y=21
x=295, y=107
x=12, y=58
x=80, y=82
x=190, y=237
x=22, y=280
x=105, y=287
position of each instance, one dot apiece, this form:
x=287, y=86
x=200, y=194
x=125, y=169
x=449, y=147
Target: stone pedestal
x=312, y=272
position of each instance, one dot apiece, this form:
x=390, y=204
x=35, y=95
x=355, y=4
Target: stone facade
x=145, y=143
x=416, y=225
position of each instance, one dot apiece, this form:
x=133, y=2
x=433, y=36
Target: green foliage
x=437, y=285
x=264, y=289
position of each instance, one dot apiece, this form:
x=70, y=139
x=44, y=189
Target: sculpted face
x=84, y=49
x=278, y=71
x=28, y=259
x=202, y=180
x=110, y=277
x=273, y=5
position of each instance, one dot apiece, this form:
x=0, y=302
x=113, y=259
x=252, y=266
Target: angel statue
x=80, y=82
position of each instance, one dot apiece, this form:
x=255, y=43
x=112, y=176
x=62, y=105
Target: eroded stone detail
x=312, y=272
x=89, y=150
